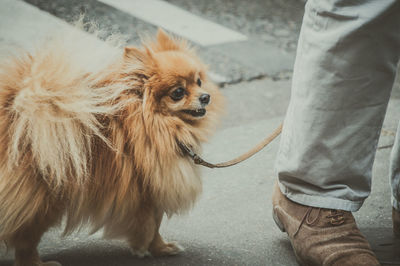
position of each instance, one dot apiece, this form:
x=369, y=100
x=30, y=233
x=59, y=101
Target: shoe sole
x=277, y=221
x=280, y=226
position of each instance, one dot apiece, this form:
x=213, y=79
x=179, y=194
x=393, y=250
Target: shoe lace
x=307, y=220
x=336, y=217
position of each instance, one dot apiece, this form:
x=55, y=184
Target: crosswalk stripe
x=27, y=26
x=178, y=21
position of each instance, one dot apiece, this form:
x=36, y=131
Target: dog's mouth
x=196, y=113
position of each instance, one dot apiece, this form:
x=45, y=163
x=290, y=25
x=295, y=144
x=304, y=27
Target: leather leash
x=198, y=160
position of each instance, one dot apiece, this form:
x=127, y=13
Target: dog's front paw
x=167, y=249
x=140, y=253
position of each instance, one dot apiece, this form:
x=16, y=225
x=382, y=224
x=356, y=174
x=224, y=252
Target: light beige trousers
x=345, y=66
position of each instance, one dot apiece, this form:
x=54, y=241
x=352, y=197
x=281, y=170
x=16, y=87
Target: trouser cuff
x=323, y=202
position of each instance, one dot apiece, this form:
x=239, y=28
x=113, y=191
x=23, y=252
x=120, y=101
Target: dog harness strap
x=198, y=160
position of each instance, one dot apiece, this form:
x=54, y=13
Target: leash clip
x=198, y=160
x=187, y=150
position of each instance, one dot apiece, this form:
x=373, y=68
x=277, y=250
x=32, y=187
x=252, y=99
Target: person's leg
x=345, y=66
x=394, y=173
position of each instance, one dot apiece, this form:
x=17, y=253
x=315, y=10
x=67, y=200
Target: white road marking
x=25, y=27
x=178, y=21
x=217, y=78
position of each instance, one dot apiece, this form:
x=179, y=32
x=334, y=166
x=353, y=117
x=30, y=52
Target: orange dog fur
x=100, y=148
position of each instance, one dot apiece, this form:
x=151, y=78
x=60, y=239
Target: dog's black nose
x=205, y=98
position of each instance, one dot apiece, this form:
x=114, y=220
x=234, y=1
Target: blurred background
x=250, y=47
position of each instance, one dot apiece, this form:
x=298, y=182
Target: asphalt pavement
x=231, y=224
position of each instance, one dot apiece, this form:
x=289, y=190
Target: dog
x=101, y=148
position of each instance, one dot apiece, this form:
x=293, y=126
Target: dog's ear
x=167, y=43
x=134, y=53
x=140, y=59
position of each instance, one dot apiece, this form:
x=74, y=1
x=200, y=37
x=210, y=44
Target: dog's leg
x=145, y=239
x=142, y=233
x=26, y=239
x=160, y=248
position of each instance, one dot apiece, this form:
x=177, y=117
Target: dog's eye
x=178, y=94
x=199, y=82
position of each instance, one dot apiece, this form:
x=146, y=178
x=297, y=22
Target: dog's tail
x=49, y=110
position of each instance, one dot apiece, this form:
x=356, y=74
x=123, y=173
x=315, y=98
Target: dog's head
x=176, y=83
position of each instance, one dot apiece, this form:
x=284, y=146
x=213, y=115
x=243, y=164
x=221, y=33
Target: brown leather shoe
x=321, y=236
x=396, y=222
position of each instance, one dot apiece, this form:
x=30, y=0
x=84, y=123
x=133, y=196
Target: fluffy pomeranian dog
x=101, y=148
